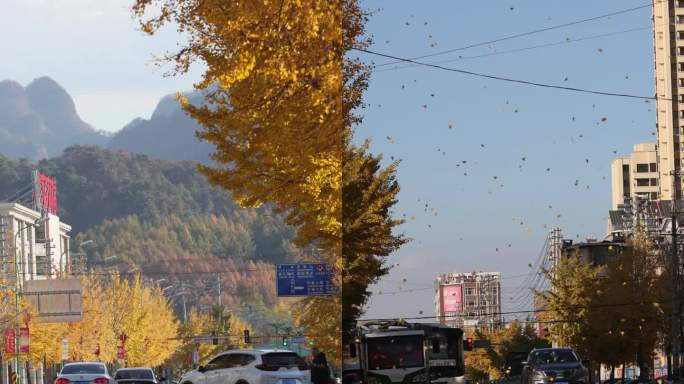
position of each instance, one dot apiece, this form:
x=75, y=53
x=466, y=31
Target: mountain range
x=40, y=120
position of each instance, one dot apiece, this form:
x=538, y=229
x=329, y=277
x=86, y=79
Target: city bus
x=397, y=352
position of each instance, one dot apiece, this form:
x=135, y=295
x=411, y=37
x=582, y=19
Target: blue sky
x=475, y=214
x=95, y=51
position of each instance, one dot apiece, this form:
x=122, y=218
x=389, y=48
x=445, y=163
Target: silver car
x=84, y=373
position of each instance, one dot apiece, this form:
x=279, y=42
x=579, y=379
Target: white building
x=41, y=250
x=636, y=175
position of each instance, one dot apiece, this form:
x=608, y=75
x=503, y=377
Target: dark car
x=554, y=365
x=135, y=376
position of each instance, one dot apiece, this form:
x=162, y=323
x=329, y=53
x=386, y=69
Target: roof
x=554, y=349
x=131, y=368
x=85, y=362
x=265, y=350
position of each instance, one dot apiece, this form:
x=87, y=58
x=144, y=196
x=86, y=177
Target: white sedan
x=251, y=366
x=84, y=373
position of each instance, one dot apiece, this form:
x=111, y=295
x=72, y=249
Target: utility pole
x=185, y=310
x=218, y=280
x=674, y=344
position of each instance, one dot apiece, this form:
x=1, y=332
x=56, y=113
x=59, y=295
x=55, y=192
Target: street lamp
x=35, y=224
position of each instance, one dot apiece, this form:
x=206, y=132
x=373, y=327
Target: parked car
x=554, y=365
x=250, y=366
x=84, y=373
x=136, y=376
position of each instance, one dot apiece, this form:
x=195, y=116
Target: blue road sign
x=298, y=339
x=304, y=279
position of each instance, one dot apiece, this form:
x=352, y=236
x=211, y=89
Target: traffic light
x=214, y=339
x=285, y=341
x=245, y=333
x=468, y=344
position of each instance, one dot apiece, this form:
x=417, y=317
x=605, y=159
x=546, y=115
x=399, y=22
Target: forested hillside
x=164, y=219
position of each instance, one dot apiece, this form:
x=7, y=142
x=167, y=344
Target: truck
x=398, y=352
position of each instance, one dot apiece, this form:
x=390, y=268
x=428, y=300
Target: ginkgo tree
x=281, y=98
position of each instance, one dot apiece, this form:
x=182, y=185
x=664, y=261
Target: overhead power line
x=517, y=35
x=507, y=79
x=532, y=311
x=523, y=49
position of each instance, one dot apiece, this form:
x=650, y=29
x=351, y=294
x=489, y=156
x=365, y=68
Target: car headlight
x=538, y=375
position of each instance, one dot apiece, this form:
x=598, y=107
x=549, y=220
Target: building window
x=680, y=19
x=642, y=182
x=654, y=182
x=654, y=195
x=470, y=303
x=653, y=167
x=640, y=168
x=680, y=4
x=468, y=291
x=680, y=34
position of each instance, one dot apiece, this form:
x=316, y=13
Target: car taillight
x=101, y=380
x=62, y=380
x=264, y=367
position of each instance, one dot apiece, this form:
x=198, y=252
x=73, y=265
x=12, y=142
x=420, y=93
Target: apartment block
x=636, y=175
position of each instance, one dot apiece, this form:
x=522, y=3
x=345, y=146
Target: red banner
x=120, y=353
x=45, y=193
x=24, y=340
x=9, y=341
x=452, y=298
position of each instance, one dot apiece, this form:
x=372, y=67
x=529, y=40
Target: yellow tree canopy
x=280, y=96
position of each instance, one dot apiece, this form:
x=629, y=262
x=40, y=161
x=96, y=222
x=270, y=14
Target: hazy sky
x=498, y=164
x=92, y=48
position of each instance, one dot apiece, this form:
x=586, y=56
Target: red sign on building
x=452, y=298
x=44, y=193
x=9, y=341
x=120, y=353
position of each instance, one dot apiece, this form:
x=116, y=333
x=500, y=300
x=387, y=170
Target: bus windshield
x=395, y=352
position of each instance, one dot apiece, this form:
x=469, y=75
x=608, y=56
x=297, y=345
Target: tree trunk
x=622, y=379
x=612, y=373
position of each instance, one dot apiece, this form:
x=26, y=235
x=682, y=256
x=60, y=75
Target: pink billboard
x=452, y=298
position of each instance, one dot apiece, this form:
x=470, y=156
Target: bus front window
x=395, y=352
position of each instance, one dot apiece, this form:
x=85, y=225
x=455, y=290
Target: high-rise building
x=469, y=300
x=635, y=175
x=668, y=42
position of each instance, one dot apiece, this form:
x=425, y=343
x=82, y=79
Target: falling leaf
x=604, y=119
x=482, y=145
x=413, y=217
x=600, y=49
